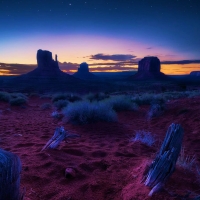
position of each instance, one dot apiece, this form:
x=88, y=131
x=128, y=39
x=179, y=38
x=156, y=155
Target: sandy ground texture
x=104, y=164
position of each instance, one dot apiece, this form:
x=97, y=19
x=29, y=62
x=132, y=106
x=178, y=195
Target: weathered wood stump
x=164, y=164
x=10, y=169
x=59, y=135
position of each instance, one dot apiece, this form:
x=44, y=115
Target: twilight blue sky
x=102, y=32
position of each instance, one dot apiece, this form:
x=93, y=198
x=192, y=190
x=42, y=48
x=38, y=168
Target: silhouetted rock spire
x=45, y=61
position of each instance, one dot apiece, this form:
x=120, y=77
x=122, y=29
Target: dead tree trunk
x=59, y=135
x=164, y=164
x=10, y=169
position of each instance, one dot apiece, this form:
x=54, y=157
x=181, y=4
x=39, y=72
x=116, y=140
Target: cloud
x=150, y=48
x=71, y=67
x=113, y=68
x=18, y=69
x=134, y=62
x=114, y=57
x=15, y=69
x=181, y=62
x=68, y=66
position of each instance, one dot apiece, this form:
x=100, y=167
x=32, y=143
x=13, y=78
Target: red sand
x=107, y=166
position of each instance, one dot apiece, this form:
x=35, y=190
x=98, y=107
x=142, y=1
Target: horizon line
x=179, y=62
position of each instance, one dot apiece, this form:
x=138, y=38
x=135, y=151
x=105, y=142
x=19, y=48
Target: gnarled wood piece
x=164, y=164
x=10, y=169
x=59, y=135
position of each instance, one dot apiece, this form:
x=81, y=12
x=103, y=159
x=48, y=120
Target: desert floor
x=107, y=166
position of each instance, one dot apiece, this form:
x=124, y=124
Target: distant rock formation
x=47, y=67
x=46, y=75
x=149, y=68
x=45, y=61
x=195, y=73
x=149, y=64
x=83, y=72
x=83, y=68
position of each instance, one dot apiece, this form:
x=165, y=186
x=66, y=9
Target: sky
x=110, y=35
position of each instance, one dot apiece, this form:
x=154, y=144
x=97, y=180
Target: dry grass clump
x=34, y=94
x=45, y=106
x=85, y=112
x=157, y=108
x=18, y=99
x=4, y=96
x=56, y=115
x=186, y=162
x=66, y=96
x=147, y=98
x=15, y=99
x=143, y=137
x=96, y=96
x=61, y=104
x=46, y=96
x=121, y=103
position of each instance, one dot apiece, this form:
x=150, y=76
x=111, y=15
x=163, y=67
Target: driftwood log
x=10, y=169
x=164, y=164
x=59, y=135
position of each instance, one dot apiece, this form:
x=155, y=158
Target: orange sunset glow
x=76, y=49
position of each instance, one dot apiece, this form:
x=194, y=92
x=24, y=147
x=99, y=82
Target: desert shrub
x=13, y=98
x=66, y=96
x=147, y=98
x=192, y=93
x=143, y=137
x=59, y=96
x=56, y=115
x=96, y=96
x=182, y=94
x=73, y=98
x=198, y=173
x=156, y=109
x=34, y=95
x=4, y=96
x=45, y=96
x=45, y=106
x=61, y=104
x=186, y=162
x=18, y=101
x=18, y=95
x=121, y=103
x=174, y=95
x=84, y=112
